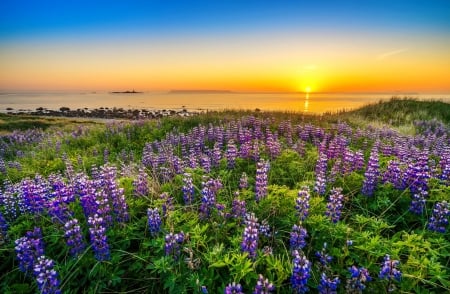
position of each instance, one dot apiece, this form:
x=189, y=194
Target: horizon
x=349, y=47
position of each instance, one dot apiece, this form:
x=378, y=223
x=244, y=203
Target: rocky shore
x=104, y=112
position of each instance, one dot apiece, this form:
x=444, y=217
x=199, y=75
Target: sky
x=268, y=46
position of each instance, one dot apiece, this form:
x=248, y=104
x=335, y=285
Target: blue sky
x=44, y=18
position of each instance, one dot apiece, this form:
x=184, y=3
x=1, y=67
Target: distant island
x=125, y=92
x=200, y=92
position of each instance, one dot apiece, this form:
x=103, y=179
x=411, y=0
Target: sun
x=308, y=89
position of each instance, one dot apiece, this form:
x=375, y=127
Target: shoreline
x=104, y=113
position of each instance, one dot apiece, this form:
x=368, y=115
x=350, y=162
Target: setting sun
x=308, y=89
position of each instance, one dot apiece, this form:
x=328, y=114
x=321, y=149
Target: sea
x=314, y=103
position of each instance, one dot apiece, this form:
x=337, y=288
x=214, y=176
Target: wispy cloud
x=391, y=53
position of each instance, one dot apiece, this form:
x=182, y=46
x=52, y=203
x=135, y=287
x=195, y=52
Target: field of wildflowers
x=231, y=202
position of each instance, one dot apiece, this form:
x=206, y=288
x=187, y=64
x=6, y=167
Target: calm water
x=310, y=103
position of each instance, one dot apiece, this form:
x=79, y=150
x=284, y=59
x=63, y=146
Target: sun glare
x=308, y=89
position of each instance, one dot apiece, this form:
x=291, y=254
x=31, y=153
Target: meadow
x=228, y=202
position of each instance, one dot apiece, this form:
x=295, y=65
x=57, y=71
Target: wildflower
x=439, y=218
x=140, y=184
x=28, y=249
x=298, y=236
x=393, y=174
x=328, y=285
x=233, y=288
x=243, y=182
x=74, y=239
x=238, y=209
x=262, y=169
x=323, y=256
x=302, y=203
x=97, y=233
x=250, y=236
x=390, y=272
x=231, y=154
x=321, y=171
x=205, y=163
x=154, y=221
x=3, y=229
x=188, y=189
x=372, y=173
x=46, y=276
x=263, y=286
x=264, y=229
x=172, y=244
x=167, y=204
x=357, y=282
x=334, y=205
x=209, y=192
x=300, y=273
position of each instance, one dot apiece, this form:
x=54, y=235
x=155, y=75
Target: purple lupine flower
x=97, y=233
x=46, y=276
x=188, y=189
x=255, y=151
x=238, y=209
x=323, y=256
x=336, y=170
x=205, y=163
x=321, y=173
x=233, y=288
x=85, y=190
x=33, y=198
x=216, y=155
x=358, y=160
x=417, y=174
x=444, y=163
x=154, y=221
x=72, y=233
x=231, y=154
x=393, y=174
x=439, y=218
x=372, y=173
x=209, y=192
x=243, y=181
x=357, y=282
x=302, y=203
x=28, y=249
x=173, y=243
x=263, y=286
x=298, y=236
x=140, y=184
x=328, y=285
x=390, y=272
x=264, y=229
x=334, y=205
x=300, y=273
x=418, y=201
x=167, y=205
x=273, y=146
x=3, y=229
x=261, y=180
x=114, y=194
x=250, y=236
x=245, y=149
x=11, y=204
x=58, y=211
